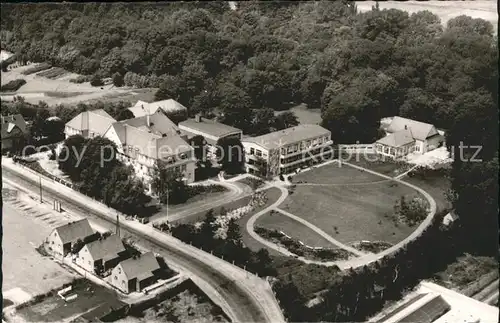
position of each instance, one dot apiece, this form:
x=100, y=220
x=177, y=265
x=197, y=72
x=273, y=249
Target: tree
x=285, y=120
x=77, y=246
x=235, y=105
x=118, y=80
x=168, y=184
x=233, y=232
x=125, y=114
x=230, y=154
x=263, y=121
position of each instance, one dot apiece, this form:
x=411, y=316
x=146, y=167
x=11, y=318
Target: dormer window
x=183, y=156
x=170, y=160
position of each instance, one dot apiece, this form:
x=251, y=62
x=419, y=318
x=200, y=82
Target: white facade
x=54, y=244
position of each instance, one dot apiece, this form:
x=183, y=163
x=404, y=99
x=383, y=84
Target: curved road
x=355, y=262
x=245, y=298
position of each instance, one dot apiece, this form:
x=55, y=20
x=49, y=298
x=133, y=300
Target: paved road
x=235, y=192
x=243, y=297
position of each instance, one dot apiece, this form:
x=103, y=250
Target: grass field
x=377, y=163
x=292, y=228
x=350, y=205
x=53, y=87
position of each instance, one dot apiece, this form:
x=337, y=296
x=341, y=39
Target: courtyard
x=348, y=204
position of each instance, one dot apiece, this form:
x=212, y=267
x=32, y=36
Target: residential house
x=144, y=140
x=283, y=151
x=405, y=136
x=61, y=239
x=134, y=274
x=89, y=124
x=168, y=107
x=101, y=255
x=211, y=130
x=13, y=130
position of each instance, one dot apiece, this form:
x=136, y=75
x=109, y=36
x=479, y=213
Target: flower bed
x=299, y=248
x=371, y=246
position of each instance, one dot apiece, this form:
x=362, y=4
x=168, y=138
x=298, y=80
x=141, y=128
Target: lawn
x=293, y=229
x=353, y=207
x=436, y=185
x=377, y=163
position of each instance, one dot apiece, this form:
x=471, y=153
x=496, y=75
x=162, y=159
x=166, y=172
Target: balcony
x=306, y=149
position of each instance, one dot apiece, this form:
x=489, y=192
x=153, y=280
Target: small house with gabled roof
x=61, y=239
x=101, y=255
x=134, y=274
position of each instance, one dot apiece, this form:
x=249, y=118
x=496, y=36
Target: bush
x=80, y=79
x=96, y=81
x=13, y=85
x=37, y=68
x=282, y=178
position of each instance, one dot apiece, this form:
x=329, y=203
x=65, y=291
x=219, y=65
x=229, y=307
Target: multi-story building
x=89, y=124
x=61, y=239
x=212, y=131
x=283, y=151
x=142, y=141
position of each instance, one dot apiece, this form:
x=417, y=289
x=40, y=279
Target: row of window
x=255, y=152
x=304, y=145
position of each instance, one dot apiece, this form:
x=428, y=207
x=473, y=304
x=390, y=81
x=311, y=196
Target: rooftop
x=419, y=130
x=209, y=127
x=287, y=136
x=141, y=266
x=10, y=122
x=74, y=231
x=106, y=248
x=97, y=121
x=160, y=140
x=397, y=139
x=141, y=108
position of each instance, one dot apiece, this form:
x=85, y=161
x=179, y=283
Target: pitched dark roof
x=106, y=248
x=74, y=230
x=397, y=139
x=140, y=267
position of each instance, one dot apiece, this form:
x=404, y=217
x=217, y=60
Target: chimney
x=406, y=127
x=197, y=117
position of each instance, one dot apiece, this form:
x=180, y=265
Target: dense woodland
x=268, y=56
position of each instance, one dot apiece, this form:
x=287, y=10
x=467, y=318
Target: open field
x=304, y=115
x=54, y=309
x=292, y=228
x=446, y=10
x=23, y=267
x=352, y=206
x=56, y=89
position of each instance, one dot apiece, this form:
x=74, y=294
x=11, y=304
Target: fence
x=357, y=148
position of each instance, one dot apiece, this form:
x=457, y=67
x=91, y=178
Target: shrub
x=80, y=79
x=282, y=178
x=96, y=81
x=13, y=85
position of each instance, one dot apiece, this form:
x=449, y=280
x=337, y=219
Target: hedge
x=13, y=85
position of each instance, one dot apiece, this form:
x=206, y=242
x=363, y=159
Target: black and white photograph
x=257, y=161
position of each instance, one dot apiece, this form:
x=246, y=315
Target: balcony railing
x=306, y=149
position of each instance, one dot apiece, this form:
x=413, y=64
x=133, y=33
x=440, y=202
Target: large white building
x=144, y=140
x=170, y=106
x=283, y=151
